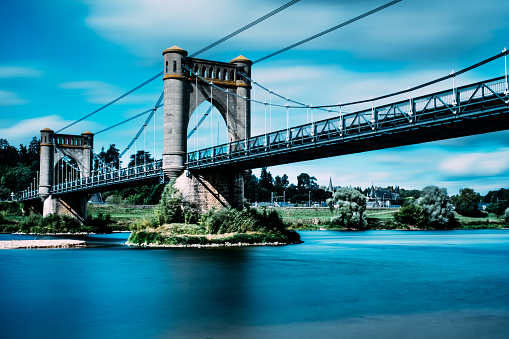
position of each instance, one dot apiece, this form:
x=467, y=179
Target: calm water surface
x=383, y=284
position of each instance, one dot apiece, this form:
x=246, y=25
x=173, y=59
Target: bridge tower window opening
x=211, y=73
x=231, y=76
x=174, y=66
x=219, y=74
x=200, y=134
x=166, y=67
x=204, y=72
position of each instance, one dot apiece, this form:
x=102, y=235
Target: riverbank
x=59, y=243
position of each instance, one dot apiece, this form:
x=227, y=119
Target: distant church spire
x=330, y=189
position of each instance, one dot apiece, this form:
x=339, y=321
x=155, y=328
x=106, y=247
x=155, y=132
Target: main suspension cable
x=113, y=101
x=240, y=30
x=328, y=30
x=429, y=83
x=136, y=116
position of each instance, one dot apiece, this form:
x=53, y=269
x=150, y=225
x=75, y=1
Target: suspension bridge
x=214, y=175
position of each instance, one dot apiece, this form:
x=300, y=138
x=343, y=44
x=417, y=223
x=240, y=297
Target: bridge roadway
x=473, y=109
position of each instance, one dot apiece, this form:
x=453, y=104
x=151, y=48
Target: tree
x=411, y=214
x=8, y=154
x=467, y=203
x=306, y=182
x=18, y=178
x=348, y=206
x=140, y=158
x=435, y=203
x=414, y=194
x=496, y=208
x=266, y=180
x=502, y=195
x=110, y=157
x=284, y=181
x=506, y=215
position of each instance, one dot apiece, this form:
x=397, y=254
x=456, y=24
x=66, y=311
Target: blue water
x=383, y=284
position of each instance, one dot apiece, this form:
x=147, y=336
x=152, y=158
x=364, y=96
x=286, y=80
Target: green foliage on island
x=146, y=237
x=175, y=224
x=225, y=226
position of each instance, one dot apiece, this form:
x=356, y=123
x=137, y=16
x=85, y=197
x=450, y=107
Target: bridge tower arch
x=54, y=149
x=183, y=93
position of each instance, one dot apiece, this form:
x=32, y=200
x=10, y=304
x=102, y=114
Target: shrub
x=99, y=224
x=506, y=215
x=170, y=209
x=114, y=199
x=229, y=220
x=3, y=219
x=411, y=215
x=11, y=207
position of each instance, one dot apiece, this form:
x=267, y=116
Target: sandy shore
x=61, y=243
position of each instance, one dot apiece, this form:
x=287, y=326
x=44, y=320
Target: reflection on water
x=337, y=284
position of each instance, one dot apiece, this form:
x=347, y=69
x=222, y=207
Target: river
x=374, y=284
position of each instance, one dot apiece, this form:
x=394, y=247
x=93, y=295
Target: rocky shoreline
x=61, y=243
x=227, y=244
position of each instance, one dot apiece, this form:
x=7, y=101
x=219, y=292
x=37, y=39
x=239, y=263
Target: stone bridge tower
x=64, y=157
x=183, y=92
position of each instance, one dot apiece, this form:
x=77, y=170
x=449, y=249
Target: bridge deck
x=473, y=109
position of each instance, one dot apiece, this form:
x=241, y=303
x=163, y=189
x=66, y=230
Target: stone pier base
x=205, y=189
x=32, y=206
x=73, y=205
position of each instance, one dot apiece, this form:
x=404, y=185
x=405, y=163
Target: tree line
x=19, y=166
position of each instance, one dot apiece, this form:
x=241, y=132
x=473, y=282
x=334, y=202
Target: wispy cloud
x=406, y=31
x=96, y=92
x=100, y=92
x=23, y=130
x=477, y=164
x=8, y=98
x=19, y=72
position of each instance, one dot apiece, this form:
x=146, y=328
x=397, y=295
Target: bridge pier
x=72, y=205
x=206, y=189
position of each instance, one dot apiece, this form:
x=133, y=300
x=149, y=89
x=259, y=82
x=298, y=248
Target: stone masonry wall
x=204, y=190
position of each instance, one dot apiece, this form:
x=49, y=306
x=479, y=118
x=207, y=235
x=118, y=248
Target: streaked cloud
x=19, y=72
x=477, y=164
x=22, y=131
x=8, y=98
x=100, y=92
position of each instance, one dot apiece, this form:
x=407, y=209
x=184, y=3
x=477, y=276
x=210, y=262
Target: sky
x=63, y=59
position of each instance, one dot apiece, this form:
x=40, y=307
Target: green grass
x=123, y=216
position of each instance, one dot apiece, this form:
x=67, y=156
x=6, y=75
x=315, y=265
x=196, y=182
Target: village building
x=383, y=198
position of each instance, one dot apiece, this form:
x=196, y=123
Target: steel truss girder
x=436, y=109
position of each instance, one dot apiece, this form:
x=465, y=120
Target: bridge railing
x=28, y=194
x=448, y=104
x=112, y=177
x=108, y=178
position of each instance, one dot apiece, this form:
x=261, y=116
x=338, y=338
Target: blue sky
x=63, y=59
